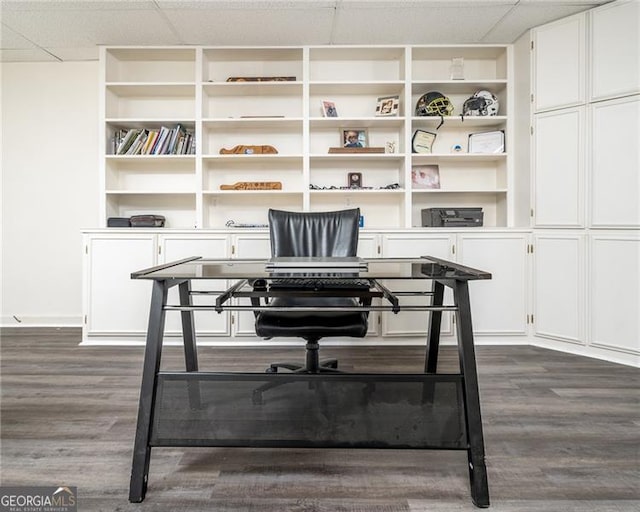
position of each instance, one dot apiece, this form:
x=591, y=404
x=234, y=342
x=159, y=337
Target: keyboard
x=321, y=284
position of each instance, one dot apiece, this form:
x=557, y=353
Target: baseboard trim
x=29, y=330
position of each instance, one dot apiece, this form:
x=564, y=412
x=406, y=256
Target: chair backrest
x=314, y=233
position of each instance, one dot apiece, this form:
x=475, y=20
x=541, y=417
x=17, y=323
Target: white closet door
x=615, y=180
x=558, y=286
x=559, y=168
x=615, y=303
x=615, y=50
x=499, y=305
x=559, y=63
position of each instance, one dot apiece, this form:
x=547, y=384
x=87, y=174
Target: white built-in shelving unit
x=151, y=87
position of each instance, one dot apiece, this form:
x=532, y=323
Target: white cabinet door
x=369, y=246
x=615, y=292
x=114, y=303
x=615, y=180
x=415, y=245
x=558, y=286
x=559, y=168
x=559, y=63
x=176, y=247
x=498, y=306
x=615, y=50
x=250, y=245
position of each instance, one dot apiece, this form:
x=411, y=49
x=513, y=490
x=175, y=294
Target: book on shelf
x=148, y=145
x=162, y=141
x=138, y=142
x=127, y=141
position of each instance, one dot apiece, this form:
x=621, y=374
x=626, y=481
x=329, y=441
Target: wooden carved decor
x=261, y=79
x=249, y=150
x=253, y=185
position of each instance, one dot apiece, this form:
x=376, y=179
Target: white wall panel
x=50, y=188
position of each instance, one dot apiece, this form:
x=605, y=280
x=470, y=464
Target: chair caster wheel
x=271, y=369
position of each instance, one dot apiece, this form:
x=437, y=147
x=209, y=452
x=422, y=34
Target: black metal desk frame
x=450, y=275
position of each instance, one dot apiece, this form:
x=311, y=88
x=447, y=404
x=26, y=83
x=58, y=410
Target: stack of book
x=165, y=141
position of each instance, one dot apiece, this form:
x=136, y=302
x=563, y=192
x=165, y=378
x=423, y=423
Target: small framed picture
x=422, y=141
x=388, y=106
x=353, y=137
x=354, y=180
x=425, y=176
x=329, y=109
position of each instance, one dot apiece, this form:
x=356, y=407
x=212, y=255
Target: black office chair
x=312, y=234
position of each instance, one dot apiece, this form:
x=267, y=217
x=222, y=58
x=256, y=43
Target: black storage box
x=118, y=222
x=147, y=221
x=452, y=217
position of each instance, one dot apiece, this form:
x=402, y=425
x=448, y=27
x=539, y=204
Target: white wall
x=50, y=188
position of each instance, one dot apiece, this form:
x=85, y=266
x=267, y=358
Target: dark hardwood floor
x=562, y=434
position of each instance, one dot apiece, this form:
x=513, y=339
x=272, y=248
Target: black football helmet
x=434, y=103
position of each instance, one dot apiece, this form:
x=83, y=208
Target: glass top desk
x=428, y=410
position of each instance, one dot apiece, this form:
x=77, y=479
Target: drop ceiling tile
x=416, y=24
x=11, y=40
x=526, y=16
x=26, y=55
x=76, y=54
x=429, y=4
x=579, y=4
x=243, y=4
x=74, y=5
x=253, y=27
x=67, y=28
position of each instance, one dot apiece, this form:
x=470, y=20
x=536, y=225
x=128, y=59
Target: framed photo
x=388, y=106
x=422, y=141
x=354, y=137
x=487, y=142
x=354, y=180
x=329, y=109
x=425, y=176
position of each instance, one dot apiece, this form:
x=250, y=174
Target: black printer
x=452, y=217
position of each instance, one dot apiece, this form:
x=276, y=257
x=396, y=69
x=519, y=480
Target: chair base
x=312, y=365
x=324, y=366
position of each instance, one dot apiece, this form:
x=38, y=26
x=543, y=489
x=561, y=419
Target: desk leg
x=188, y=329
x=151, y=366
x=435, y=324
x=466, y=352
x=189, y=341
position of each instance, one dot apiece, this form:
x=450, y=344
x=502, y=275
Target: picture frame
x=354, y=137
x=422, y=141
x=329, y=108
x=354, y=180
x=388, y=106
x=487, y=142
x=425, y=176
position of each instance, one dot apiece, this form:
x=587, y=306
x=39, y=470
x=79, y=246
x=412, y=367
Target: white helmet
x=482, y=103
